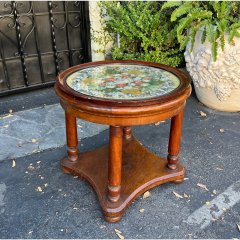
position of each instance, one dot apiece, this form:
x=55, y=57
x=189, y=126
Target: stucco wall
x=94, y=13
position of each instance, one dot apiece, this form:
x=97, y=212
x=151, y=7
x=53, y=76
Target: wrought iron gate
x=39, y=39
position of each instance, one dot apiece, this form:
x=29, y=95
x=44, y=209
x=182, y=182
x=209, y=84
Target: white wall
x=94, y=13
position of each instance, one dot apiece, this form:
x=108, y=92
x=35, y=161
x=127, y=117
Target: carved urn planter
x=217, y=84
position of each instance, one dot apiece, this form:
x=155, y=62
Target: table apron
x=124, y=120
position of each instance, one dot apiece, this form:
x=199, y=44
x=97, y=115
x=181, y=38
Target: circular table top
x=123, y=83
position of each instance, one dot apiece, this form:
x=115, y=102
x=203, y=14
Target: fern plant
x=215, y=16
x=146, y=33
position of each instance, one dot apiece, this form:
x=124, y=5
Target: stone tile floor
x=38, y=129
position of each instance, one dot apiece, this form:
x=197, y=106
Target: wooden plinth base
x=141, y=170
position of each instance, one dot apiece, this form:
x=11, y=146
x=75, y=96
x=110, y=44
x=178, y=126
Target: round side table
x=122, y=94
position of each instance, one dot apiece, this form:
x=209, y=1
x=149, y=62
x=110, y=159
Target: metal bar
x=85, y=29
x=29, y=88
x=37, y=44
x=4, y=62
x=82, y=36
x=84, y=50
x=20, y=49
x=53, y=38
x=43, y=54
x=36, y=14
x=68, y=40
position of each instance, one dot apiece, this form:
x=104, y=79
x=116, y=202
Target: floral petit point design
x=120, y=85
x=110, y=79
x=138, y=82
x=98, y=81
x=126, y=76
x=128, y=87
x=122, y=82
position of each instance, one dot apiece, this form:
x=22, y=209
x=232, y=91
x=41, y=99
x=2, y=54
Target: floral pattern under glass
x=123, y=81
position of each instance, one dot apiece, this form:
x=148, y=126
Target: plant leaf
x=181, y=10
x=214, y=50
x=195, y=29
x=13, y=163
x=204, y=34
x=182, y=25
x=146, y=195
x=216, y=6
x=210, y=32
x=231, y=35
x=120, y=236
x=203, y=114
x=201, y=14
x=177, y=195
x=223, y=5
x=222, y=42
x=202, y=186
x=238, y=227
x=10, y=115
x=171, y=4
x=228, y=8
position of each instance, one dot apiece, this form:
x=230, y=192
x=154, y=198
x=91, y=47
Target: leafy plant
x=215, y=16
x=145, y=32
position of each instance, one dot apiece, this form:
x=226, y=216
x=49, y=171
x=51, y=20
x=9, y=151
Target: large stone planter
x=217, y=84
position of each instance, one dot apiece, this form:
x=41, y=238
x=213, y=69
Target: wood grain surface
x=141, y=170
x=124, y=169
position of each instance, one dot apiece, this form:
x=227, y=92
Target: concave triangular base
x=141, y=170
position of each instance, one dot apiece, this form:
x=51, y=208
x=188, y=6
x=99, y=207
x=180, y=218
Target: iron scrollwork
x=20, y=17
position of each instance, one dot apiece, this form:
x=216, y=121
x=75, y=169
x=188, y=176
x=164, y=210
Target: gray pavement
x=26, y=132
x=68, y=208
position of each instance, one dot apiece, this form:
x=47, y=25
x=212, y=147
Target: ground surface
x=69, y=203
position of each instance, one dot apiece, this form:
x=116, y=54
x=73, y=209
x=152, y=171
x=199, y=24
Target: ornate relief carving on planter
x=221, y=76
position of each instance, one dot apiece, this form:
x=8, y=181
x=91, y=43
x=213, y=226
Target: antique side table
x=122, y=94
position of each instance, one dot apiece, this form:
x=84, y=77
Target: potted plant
x=144, y=32
x=210, y=32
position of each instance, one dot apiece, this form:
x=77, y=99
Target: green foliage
x=146, y=32
x=217, y=16
x=181, y=10
x=204, y=35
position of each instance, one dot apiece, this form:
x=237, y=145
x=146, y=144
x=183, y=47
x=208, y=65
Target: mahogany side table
x=122, y=94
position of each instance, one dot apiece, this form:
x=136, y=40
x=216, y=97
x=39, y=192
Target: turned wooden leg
x=127, y=132
x=72, y=140
x=114, y=163
x=174, y=141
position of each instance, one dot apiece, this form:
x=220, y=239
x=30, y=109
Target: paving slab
x=68, y=208
x=38, y=129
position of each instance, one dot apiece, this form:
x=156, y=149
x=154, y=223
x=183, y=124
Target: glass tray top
x=123, y=81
